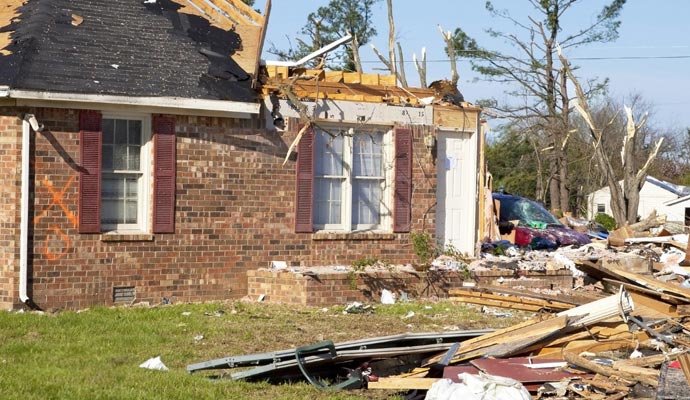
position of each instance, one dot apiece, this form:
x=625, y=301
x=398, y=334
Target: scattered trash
x=218, y=313
x=154, y=363
x=198, y=338
x=387, y=297
x=261, y=298
x=410, y=314
x=358, y=308
x=279, y=265
x=186, y=313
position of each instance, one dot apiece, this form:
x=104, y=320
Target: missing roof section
x=8, y=13
x=224, y=14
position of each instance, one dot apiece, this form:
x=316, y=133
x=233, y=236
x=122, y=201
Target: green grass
x=95, y=354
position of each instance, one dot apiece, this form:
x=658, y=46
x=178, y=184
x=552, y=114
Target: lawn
x=95, y=353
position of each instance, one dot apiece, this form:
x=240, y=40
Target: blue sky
x=651, y=56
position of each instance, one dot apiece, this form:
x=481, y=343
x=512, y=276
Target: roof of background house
x=160, y=48
x=678, y=190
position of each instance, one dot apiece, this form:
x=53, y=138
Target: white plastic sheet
x=154, y=363
x=387, y=297
x=478, y=387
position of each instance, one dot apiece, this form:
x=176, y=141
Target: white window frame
x=386, y=215
x=145, y=182
x=601, y=205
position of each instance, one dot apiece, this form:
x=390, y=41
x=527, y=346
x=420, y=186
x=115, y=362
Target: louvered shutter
x=305, y=183
x=90, y=172
x=402, y=209
x=164, y=175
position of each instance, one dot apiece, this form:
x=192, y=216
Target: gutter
x=172, y=105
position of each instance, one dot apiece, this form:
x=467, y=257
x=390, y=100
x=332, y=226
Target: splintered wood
x=627, y=340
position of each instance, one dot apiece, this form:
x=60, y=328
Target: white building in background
x=664, y=197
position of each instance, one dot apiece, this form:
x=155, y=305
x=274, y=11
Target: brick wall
x=340, y=288
x=10, y=181
x=234, y=213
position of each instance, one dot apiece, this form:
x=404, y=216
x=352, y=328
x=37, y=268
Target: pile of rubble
x=622, y=331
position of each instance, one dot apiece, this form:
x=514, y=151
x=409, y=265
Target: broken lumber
x=506, y=301
x=582, y=362
x=400, y=383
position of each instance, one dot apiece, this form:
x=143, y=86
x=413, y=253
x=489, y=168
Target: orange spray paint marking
x=57, y=200
x=68, y=245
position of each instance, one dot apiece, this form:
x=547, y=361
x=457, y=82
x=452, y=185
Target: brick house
x=139, y=160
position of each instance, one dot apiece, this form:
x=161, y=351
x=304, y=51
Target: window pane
x=108, y=128
x=109, y=214
x=120, y=157
x=134, y=158
x=327, y=201
x=131, y=210
x=368, y=154
x=328, y=154
x=120, y=131
x=107, y=157
x=366, y=201
x=112, y=187
x=132, y=187
x=135, y=132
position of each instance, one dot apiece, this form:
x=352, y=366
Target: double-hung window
x=352, y=179
x=125, y=173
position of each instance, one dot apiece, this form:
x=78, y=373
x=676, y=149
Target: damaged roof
x=160, y=48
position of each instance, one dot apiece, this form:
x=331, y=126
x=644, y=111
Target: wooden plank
x=455, y=118
x=646, y=306
x=676, y=300
x=387, y=80
x=582, y=362
x=215, y=17
x=396, y=383
x=654, y=284
x=236, y=17
x=497, y=303
x=370, y=79
x=574, y=299
x=523, y=337
x=247, y=11
x=352, y=77
x=547, y=304
x=333, y=76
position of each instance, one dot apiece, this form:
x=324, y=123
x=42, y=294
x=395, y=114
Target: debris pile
x=622, y=332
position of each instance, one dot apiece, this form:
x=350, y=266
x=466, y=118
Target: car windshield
x=527, y=211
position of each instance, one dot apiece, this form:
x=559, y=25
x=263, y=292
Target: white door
x=456, y=191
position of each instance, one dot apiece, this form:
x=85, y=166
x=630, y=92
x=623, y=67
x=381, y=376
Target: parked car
x=536, y=227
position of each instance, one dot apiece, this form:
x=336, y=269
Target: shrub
x=606, y=221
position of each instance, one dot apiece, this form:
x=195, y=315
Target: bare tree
x=624, y=200
x=537, y=81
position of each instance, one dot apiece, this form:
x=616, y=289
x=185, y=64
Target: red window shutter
x=164, y=175
x=90, y=173
x=402, y=210
x=304, y=197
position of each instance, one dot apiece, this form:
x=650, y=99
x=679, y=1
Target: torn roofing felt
x=120, y=47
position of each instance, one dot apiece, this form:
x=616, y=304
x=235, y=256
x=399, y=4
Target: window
x=353, y=180
x=601, y=208
x=117, y=153
x=125, y=174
